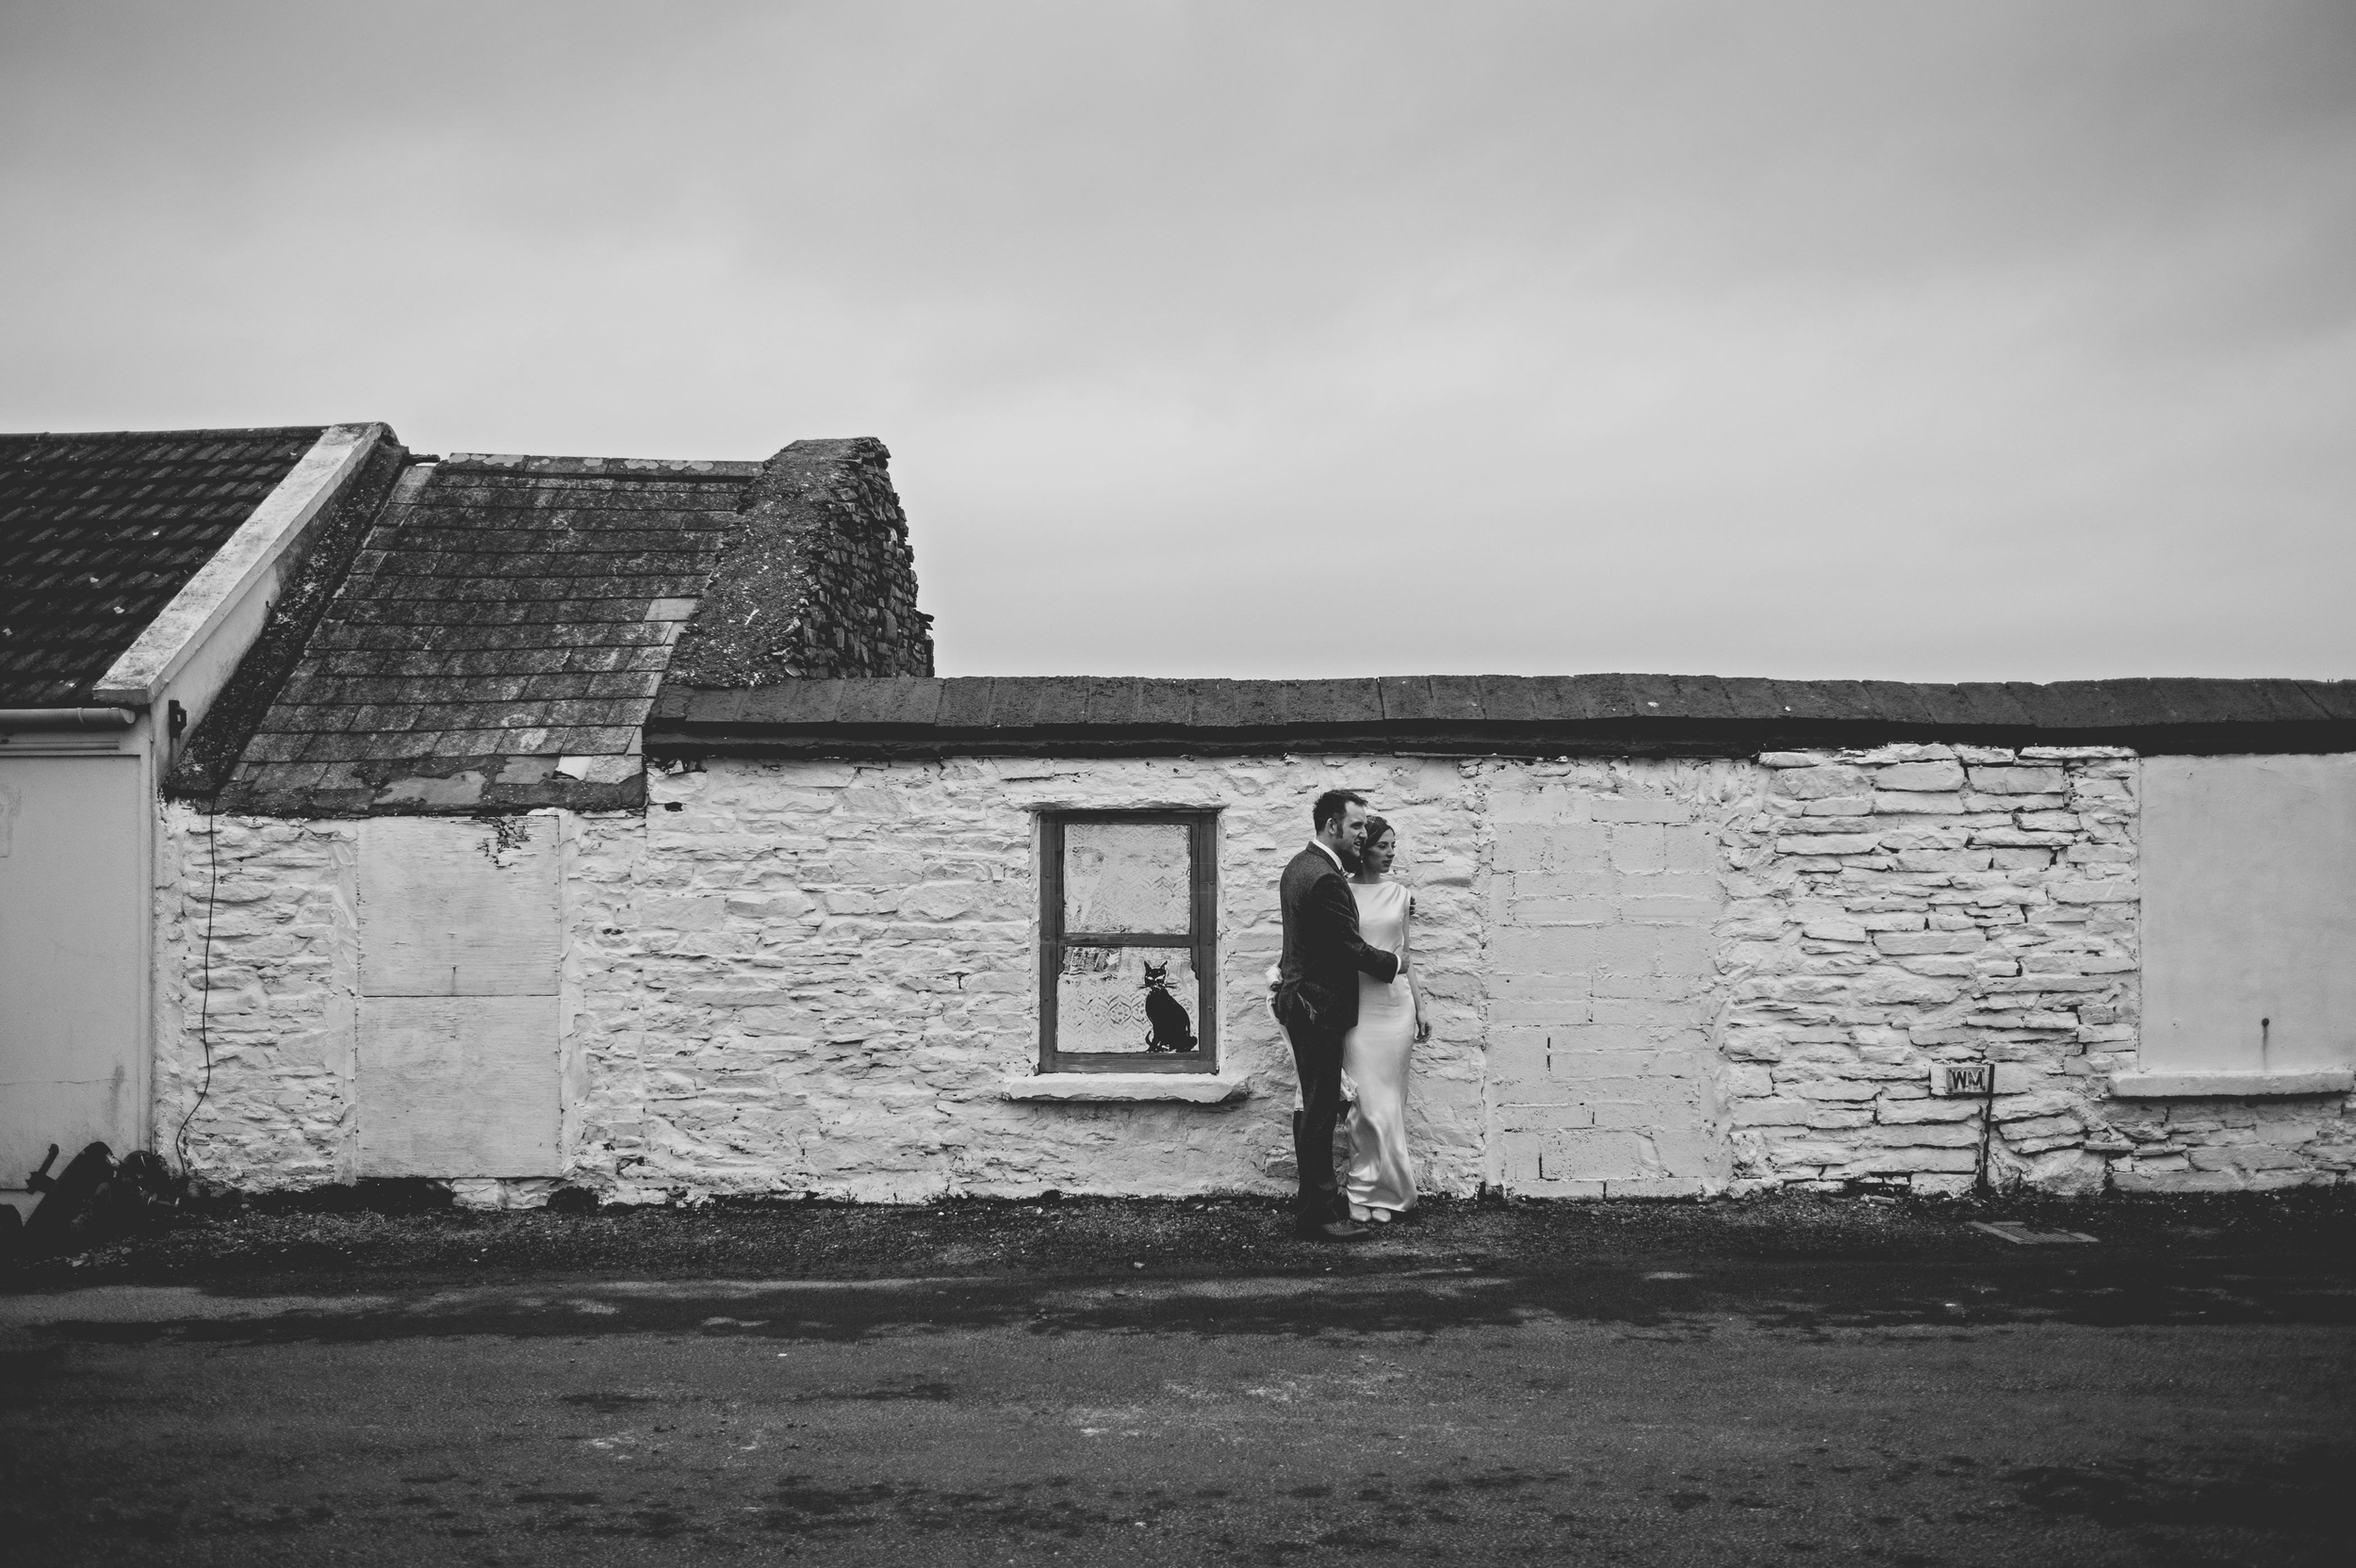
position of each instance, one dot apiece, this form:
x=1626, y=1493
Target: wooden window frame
x=1203, y=942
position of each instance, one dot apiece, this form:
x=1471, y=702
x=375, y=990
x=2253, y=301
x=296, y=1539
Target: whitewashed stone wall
x=1644, y=978
x=1923, y=903
x=282, y=1015
x=824, y=976
x=2231, y=1145
x=281, y=1104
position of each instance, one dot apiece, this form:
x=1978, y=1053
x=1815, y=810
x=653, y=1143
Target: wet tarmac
x=2185, y=1394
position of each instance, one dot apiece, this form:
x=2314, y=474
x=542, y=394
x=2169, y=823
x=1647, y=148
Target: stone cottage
x=603, y=822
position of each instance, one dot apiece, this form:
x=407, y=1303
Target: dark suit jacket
x=1323, y=951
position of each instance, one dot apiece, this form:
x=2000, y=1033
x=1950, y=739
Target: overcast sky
x=1924, y=341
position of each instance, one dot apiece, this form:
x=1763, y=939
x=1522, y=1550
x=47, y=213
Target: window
x=1128, y=952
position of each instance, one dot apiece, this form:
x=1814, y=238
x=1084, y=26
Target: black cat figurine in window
x=1172, y=1030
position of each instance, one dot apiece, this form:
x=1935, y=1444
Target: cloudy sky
x=1942, y=341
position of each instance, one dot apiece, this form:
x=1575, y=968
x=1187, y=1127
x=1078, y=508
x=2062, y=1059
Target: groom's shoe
x=1330, y=1230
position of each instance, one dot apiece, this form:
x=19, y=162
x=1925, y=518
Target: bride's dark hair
x=1376, y=827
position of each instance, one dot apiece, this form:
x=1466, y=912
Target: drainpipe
x=67, y=718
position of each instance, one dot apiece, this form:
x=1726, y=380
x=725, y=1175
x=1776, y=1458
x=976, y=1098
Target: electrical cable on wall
x=204, y=967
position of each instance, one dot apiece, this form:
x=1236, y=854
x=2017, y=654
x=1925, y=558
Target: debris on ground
x=410, y=1231
x=96, y=1200
x=2021, y=1234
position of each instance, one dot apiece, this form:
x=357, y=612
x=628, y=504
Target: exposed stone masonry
x=283, y=904
x=1915, y=905
x=819, y=578
x=2218, y=1144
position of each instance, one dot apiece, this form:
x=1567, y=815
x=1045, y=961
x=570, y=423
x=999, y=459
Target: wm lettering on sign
x=1954, y=1079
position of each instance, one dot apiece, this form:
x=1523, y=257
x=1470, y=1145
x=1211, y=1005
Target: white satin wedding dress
x=1382, y=1178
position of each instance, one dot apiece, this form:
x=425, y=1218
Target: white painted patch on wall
x=460, y=943
x=2249, y=926
x=458, y=1086
x=1606, y=883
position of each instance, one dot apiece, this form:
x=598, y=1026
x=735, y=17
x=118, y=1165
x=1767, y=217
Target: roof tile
x=1217, y=704
x=913, y=701
x=2336, y=699
x=1257, y=704
x=1407, y=697
x=1061, y=701
x=1164, y=702
x=1458, y=696
x=965, y=702
x=98, y=531
x=1335, y=701
x=505, y=609
x=799, y=702
x=1113, y=699
x=1014, y=703
x=1509, y=698
x=1902, y=702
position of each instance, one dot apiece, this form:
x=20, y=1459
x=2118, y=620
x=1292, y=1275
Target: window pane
x=1126, y=876
x=1100, y=1000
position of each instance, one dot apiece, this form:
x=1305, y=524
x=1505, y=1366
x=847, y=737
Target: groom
x=1317, y=999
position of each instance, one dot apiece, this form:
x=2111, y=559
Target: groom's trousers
x=1318, y=1058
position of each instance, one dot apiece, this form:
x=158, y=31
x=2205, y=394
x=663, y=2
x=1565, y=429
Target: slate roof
x=98, y=531
x=1536, y=715
x=498, y=641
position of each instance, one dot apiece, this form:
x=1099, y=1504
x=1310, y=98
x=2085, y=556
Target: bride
x=1381, y=1185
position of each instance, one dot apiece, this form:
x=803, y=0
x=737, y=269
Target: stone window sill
x=2230, y=1085
x=1201, y=1088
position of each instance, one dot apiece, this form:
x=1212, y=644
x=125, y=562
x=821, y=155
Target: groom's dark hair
x=1330, y=806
